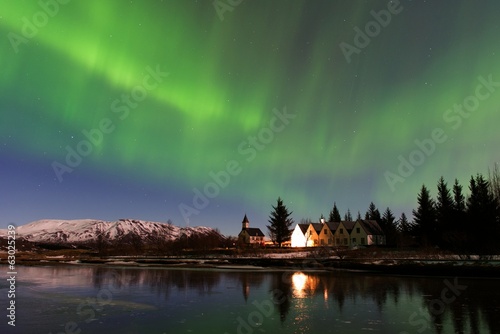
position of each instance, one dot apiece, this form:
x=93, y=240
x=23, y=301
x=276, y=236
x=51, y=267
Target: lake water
x=92, y=299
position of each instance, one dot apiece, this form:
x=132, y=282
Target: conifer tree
x=494, y=181
x=481, y=205
x=444, y=213
x=347, y=216
x=388, y=220
x=373, y=213
x=458, y=198
x=388, y=217
x=405, y=231
x=404, y=225
x=482, y=216
x=425, y=218
x=457, y=236
x=280, y=223
x=334, y=214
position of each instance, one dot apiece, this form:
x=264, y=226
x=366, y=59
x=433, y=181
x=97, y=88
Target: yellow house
x=343, y=233
x=326, y=235
x=312, y=234
x=367, y=232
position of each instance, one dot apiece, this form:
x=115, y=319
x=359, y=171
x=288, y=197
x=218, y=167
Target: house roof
x=317, y=227
x=349, y=225
x=371, y=227
x=303, y=227
x=254, y=232
x=333, y=226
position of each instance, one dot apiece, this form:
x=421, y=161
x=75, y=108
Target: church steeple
x=245, y=223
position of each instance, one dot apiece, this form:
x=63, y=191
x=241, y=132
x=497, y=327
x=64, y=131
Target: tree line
x=451, y=221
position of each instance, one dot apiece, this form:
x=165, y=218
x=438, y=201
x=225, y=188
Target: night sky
x=179, y=110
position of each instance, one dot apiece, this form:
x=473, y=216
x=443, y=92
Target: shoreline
x=407, y=267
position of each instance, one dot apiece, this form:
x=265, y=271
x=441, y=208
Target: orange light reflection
x=304, y=285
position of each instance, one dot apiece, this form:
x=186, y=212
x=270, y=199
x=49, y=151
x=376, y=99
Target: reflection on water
x=151, y=300
x=470, y=304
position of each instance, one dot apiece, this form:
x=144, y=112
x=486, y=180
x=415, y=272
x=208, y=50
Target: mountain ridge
x=80, y=231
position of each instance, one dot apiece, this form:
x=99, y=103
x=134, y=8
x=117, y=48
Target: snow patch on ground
x=292, y=255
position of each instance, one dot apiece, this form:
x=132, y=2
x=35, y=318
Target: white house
x=298, y=238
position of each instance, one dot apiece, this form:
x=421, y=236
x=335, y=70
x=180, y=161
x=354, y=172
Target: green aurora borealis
x=225, y=78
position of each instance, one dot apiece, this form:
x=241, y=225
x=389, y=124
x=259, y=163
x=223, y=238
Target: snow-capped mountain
x=88, y=230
